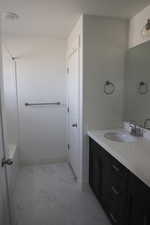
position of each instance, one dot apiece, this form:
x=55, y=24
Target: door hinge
x=68, y=146
x=68, y=109
x=67, y=70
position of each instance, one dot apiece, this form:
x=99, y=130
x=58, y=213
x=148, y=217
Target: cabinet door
x=91, y=162
x=139, y=202
x=100, y=173
x=106, y=179
x=95, y=178
x=97, y=169
x=139, y=213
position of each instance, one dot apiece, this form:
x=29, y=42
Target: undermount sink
x=120, y=136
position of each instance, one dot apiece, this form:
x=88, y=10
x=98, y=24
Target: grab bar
x=44, y=103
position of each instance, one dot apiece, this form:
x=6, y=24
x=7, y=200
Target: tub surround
x=135, y=156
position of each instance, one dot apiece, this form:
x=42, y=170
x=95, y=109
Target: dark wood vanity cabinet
x=125, y=198
x=99, y=172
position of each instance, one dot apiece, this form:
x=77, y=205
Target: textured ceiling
x=56, y=17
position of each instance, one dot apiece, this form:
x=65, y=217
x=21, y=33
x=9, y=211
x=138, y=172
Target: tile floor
x=48, y=195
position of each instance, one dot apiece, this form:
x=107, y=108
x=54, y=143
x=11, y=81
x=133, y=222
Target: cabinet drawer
x=118, y=176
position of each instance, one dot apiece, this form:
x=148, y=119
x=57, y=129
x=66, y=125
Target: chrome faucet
x=135, y=129
x=145, y=124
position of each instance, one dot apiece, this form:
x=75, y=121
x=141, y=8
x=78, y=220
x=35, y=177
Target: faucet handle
x=136, y=130
x=132, y=124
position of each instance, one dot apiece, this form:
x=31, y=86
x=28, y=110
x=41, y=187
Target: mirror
x=137, y=85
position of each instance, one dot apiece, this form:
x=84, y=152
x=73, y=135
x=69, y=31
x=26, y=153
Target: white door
x=4, y=197
x=10, y=124
x=4, y=210
x=73, y=103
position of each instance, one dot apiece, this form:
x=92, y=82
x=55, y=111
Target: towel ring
x=143, y=88
x=109, y=88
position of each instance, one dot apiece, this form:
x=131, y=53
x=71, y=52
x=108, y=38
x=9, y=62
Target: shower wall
x=41, y=78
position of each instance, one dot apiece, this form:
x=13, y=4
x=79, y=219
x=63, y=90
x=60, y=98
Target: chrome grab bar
x=44, y=103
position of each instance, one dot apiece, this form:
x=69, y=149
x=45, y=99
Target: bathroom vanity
x=119, y=175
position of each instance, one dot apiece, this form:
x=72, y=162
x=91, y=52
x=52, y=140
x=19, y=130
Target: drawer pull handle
x=115, y=190
x=113, y=218
x=115, y=168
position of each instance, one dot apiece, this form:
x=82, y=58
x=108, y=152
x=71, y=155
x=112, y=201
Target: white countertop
x=135, y=156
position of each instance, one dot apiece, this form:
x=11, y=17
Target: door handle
x=74, y=125
x=8, y=162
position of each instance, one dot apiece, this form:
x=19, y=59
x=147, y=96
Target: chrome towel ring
x=109, y=88
x=143, y=88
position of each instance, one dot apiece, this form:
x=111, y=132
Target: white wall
x=136, y=25
x=105, y=44
x=41, y=78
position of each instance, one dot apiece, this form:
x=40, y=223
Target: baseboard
x=85, y=186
